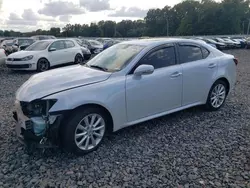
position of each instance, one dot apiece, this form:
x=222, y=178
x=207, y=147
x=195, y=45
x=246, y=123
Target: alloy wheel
x=218, y=95
x=43, y=65
x=89, y=132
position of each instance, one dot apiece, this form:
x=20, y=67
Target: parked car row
x=100, y=44
x=36, y=53
x=44, y=54
x=223, y=43
x=11, y=45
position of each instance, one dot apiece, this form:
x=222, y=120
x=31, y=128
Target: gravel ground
x=192, y=148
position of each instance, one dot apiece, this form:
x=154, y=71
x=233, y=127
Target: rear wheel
x=78, y=59
x=84, y=131
x=217, y=95
x=43, y=65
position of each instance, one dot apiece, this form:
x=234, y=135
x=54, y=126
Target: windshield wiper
x=98, y=67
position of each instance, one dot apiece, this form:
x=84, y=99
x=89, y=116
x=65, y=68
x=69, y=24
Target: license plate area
x=21, y=118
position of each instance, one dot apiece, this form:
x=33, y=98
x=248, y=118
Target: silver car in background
x=130, y=82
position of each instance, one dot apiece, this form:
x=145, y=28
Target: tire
x=78, y=59
x=76, y=125
x=43, y=65
x=218, y=92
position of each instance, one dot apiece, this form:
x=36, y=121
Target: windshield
x=25, y=41
x=115, y=57
x=80, y=42
x=92, y=42
x=38, y=46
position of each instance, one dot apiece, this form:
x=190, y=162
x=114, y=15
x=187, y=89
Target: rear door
x=70, y=50
x=199, y=70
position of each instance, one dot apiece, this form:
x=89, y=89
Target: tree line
x=205, y=17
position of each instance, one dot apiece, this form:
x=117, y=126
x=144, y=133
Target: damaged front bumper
x=26, y=135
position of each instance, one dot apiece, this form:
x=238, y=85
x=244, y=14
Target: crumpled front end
x=35, y=125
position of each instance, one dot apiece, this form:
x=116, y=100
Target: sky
x=29, y=15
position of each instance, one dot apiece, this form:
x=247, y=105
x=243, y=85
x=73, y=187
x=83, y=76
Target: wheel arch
x=43, y=58
x=224, y=79
x=91, y=105
x=40, y=58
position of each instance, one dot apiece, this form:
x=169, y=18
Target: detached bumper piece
x=27, y=137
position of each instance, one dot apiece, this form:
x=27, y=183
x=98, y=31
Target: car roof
x=53, y=40
x=159, y=41
x=23, y=38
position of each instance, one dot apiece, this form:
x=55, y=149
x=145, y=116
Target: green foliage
x=190, y=17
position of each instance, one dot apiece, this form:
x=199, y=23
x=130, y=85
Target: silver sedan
x=130, y=82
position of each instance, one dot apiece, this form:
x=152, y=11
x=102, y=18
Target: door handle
x=176, y=74
x=212, y=65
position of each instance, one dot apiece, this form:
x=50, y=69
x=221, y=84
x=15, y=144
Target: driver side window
x=160, y=58
x=58, y=45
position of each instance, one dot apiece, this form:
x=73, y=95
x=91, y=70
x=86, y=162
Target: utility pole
x=248, y=27
x=243, y=26
x=167, y=27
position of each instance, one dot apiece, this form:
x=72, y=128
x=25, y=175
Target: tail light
x=236, y=61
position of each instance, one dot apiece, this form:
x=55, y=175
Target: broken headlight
x=37, y=107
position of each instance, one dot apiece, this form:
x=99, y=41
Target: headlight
x=37, y=107
x=27, y=58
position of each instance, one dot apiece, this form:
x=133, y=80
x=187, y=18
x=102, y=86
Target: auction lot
x=192, y=148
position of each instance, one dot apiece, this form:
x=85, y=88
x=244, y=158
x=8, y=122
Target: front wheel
x=217, y=95
x=43, y=65
x=84, y=131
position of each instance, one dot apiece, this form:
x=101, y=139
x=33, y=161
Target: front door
x=58, y=56
x=158, y=92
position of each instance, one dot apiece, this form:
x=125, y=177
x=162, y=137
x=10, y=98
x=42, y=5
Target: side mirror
x=52, y=49
x=16, y=45
x=144, y=70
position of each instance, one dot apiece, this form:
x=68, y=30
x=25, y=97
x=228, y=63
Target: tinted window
x=205, y=52
x=69, y=44
x=25, y=41
x=58, y=45
x=160, y=58
x=190, y=53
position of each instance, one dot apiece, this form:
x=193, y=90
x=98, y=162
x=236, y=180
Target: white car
x=2, y=56
x=130, y=82
x=44, y=54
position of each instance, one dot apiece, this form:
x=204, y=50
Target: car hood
x=58, y=80
x=22, y=54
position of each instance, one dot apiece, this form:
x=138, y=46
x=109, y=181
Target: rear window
x=205, y=52
x=189, y=53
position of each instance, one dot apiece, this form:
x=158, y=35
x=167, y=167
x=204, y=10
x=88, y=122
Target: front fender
x=109, y=94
